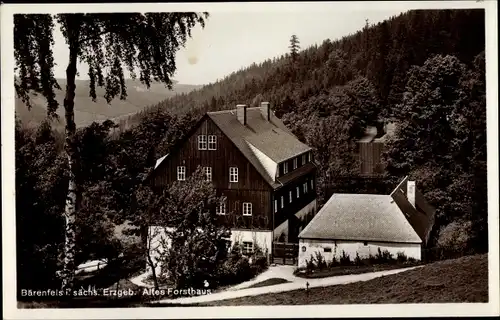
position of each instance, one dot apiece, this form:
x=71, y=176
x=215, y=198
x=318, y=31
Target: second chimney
x=241, y=113
x=265, y=109
x=411, y=192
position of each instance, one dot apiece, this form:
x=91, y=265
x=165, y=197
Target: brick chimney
x=241, y=113
x=265, y=109
x=410, y=193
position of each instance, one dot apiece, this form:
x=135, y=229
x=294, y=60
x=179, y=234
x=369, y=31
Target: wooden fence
x=285, y=253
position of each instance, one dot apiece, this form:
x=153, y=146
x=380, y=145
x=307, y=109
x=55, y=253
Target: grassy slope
x=87, y=111
x=458, y=280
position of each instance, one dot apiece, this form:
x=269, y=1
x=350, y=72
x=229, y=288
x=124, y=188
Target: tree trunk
x=71, y=207
x=152, y=265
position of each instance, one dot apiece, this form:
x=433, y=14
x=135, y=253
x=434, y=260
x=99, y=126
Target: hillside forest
x=423, y=69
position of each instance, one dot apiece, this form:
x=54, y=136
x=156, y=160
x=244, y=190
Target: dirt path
x=242, y=290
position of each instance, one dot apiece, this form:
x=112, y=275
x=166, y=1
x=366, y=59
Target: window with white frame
x=282, y=201
x=212, y=142
x=233, y=174
x=309, y=157
x=298, y=192
x=275, y=206
x=305, y=187
x=208, y=173
x=290, y=193
x=247, y=209
x=285, y=167
x=303, y=159
x=221, y=208
x=202, y=142
x=247, y=247
x=294, y=163
x=181, y=173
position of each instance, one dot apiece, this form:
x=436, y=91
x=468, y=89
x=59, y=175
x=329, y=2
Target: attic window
x=202, y=142
x=212, y=142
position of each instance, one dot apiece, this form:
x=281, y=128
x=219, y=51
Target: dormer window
x=285, y=167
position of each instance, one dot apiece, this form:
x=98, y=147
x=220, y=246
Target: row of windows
x=290, y=195
x=306, y=157
x=207, y=144
x=247, y=208
x=233, y=173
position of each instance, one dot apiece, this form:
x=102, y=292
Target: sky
x=233, y=40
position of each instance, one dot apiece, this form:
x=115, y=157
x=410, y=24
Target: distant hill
x=383, y=53
x=87, y=111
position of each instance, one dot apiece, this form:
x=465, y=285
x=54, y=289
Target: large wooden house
x=265, y=174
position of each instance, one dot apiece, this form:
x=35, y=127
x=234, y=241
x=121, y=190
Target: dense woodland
x=424, y=70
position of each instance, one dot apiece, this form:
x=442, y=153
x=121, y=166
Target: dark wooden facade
x=251, y=186
x=370, y=158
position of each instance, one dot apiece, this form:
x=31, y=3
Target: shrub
x=383, y=256
x=320, y=261
x=358, y=261
x=310, y=266
x=345, y=260
x=333, y=263
x=401, y=257
x=456, y=234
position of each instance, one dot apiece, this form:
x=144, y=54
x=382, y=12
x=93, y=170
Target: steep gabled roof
x=271, y=137
x=361, y=217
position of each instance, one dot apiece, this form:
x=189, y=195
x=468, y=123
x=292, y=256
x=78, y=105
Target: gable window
x=181, y=173
x=298, y=190
x=290, y=193
x=285, y=167
x=275, y=206
x=208, y=173
x=295, y=163
x=247, y=209
x=212, y=142
x=202, y=142
x=221, y=208
x=282, y=202
x=247, y=247
x=233, y=174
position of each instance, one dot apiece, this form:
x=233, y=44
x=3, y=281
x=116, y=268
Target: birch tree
x=111, y=44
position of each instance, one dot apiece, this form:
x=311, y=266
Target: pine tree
x=107, y=43
x=294, y=47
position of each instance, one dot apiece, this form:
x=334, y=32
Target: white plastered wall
x=308, y=247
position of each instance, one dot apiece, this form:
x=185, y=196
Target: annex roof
x=361, y=217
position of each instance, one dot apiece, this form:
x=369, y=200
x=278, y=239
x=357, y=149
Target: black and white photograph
x=327, y=158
